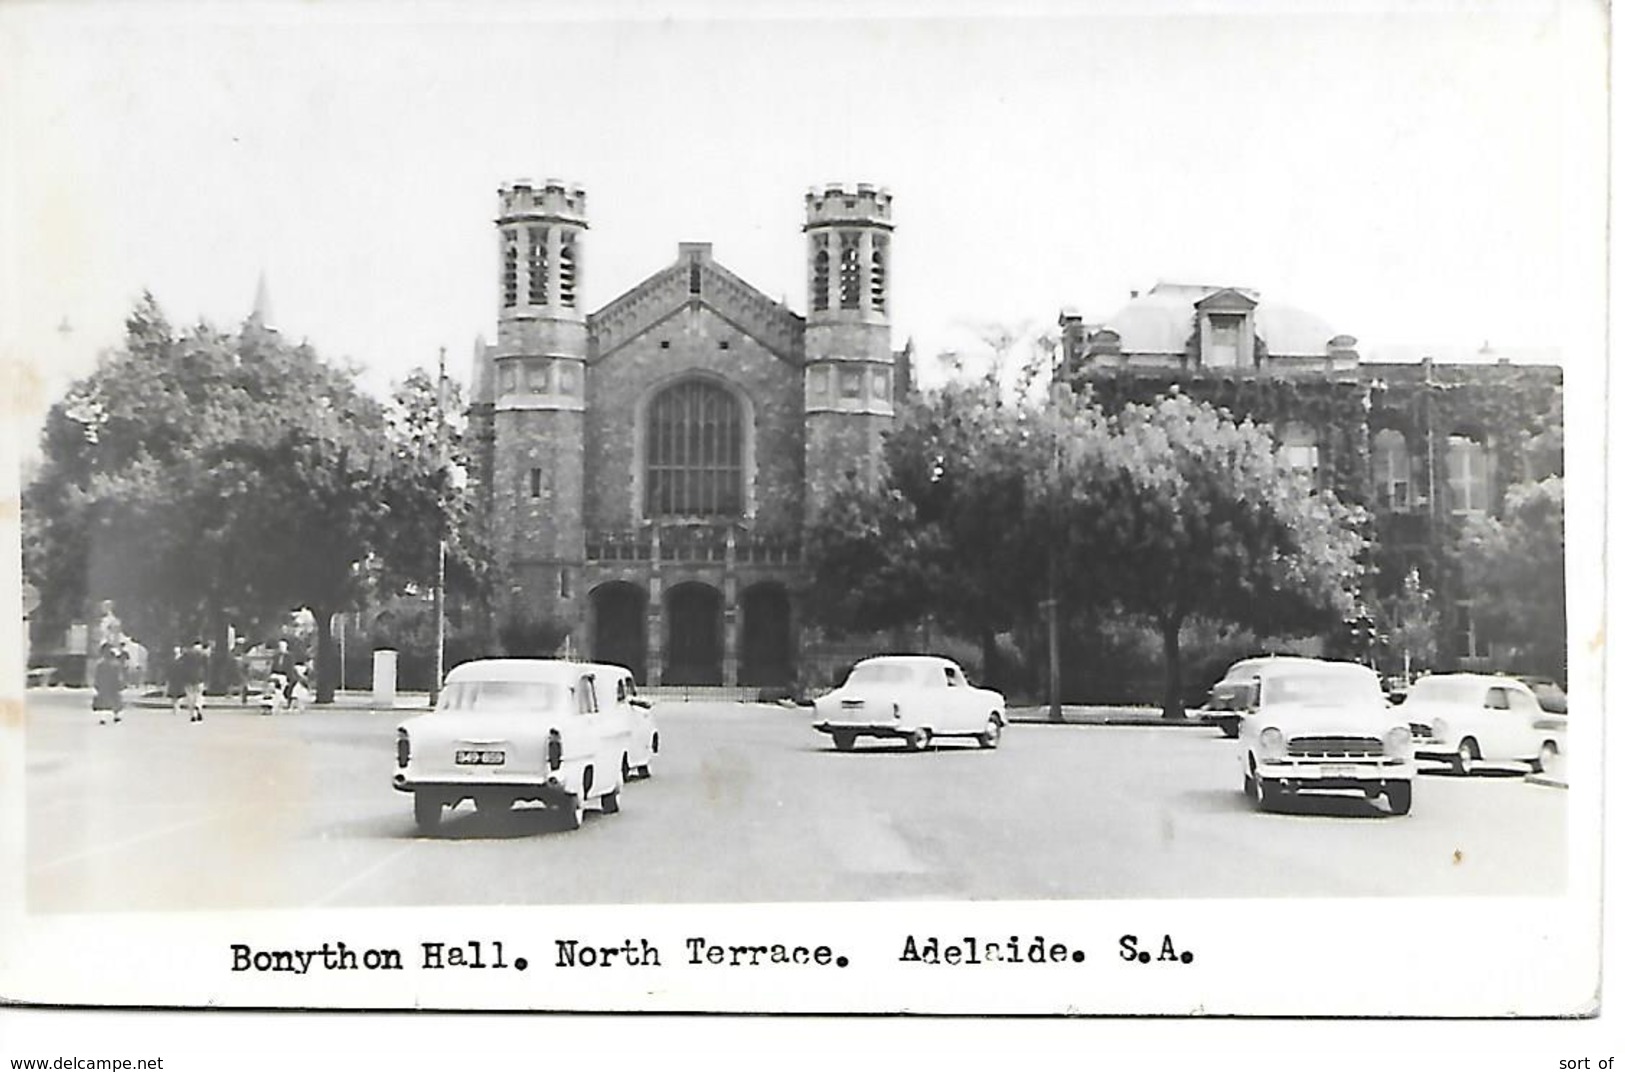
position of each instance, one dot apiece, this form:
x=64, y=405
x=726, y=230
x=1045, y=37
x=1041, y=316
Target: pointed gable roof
x=695, y=279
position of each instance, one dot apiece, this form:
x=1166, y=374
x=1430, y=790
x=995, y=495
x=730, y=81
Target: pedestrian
x=194, y=671
x=109, y=682
x=284, y=672
x=175, y=678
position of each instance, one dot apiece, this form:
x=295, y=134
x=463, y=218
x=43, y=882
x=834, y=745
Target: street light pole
x=1054, y=554
x=440, y=532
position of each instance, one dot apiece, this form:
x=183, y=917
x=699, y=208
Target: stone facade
x=645, y=471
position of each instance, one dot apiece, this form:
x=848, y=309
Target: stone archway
x=693, y=653
x=765, y=656
x=619, y=626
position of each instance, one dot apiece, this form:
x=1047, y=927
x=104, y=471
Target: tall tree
x=1513, y=566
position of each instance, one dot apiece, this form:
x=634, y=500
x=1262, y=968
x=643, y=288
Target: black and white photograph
x=1082, y=510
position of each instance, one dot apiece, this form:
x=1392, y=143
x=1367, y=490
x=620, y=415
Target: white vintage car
x=508, y=730
x=1471, y=719
x=636, y=712
x=912, y=697
x=1309, y=726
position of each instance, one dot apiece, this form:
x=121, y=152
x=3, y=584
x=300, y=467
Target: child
x=109, y=682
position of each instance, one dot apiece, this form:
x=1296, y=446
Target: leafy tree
x=1513, y=567
x=1412, y=623
x=1179, y=511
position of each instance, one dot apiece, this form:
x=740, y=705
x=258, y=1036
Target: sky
x=1421, y=176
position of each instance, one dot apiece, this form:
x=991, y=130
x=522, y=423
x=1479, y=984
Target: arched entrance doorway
x=693, y=635
x=619, y=613
x=766, y=659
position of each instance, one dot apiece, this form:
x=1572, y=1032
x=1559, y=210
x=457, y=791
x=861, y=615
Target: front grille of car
x=1334, y=747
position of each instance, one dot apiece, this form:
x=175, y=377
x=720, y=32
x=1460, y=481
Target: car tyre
x=989, y=737
x=1399, y=798
x=610, y=802
x=919, y=740
x=845, y=741
x=1230, y=727
x=1466, y=758
x=426, y=810
x=1548, y=752
x=626, y=768
x=1266, y=792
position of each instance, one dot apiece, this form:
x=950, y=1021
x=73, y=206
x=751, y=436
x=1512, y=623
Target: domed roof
x=1161, y=320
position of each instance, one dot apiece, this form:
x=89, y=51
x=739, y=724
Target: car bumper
x=521, y=787
x=1334, y=775
x=864, y=729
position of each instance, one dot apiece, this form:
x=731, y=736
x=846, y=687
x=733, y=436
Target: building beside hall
x=645, y=469
x=1423, y=443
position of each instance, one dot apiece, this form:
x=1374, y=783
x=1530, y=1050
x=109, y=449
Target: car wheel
x=1548, y=752
x=844, y=742
x=643, y=771
x=919, y=740
x=610, y=802
x=1399, y=798
x=1466, y=756
x=1230, y=727
x=989, y=737
x=426, y=810
x=1266, y=792
x=626, y=769
x=574, y=811
x=1247, y=787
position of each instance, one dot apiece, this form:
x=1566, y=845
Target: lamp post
x=440, y=532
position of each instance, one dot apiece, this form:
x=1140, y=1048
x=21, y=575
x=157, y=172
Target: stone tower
x=537, y=382
x=848, y=372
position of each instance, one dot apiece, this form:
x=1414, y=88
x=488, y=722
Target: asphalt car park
x=746, y=803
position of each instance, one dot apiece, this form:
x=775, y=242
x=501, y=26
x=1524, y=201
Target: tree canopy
x=201, y=479
x=1513, y=566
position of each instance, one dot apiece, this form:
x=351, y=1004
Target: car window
x=1446, y=690
x=880, y=674
x=951, y=676
x=501, y=696
x=1232, y=696
x=1321, y=689
x=620, y=691
x=586, y=696
x=1523, y=703
x=1496, y=700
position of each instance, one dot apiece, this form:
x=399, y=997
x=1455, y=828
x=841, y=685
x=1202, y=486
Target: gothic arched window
x=693, y=453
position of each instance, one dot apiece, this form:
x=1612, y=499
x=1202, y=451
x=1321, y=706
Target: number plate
x=487, y=757
x=1339, y=770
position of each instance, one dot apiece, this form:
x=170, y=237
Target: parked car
x=638, y=714
x=1471, y=719
x=1230, y=696
x=508, y=730
x=1309, y=726
x=912, y=697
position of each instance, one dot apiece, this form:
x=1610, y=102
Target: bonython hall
x=646, y=469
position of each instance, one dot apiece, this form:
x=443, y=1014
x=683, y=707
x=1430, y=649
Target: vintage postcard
x=1084, y=510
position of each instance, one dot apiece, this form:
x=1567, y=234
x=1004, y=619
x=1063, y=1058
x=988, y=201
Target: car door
x=1524, y=739
x=1499, y=737
x=600, y=745
x=957, y=699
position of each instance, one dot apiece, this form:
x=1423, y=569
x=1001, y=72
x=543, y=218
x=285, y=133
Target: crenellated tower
x=849, y=367
x=537, y=387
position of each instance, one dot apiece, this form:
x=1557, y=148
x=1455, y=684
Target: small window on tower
x=535, y=483
x=851, y=383
x=538, y=265
x=820, y=279
x=877, y=275
x=818, y=382
x=536, y=376
x=510, y=269
x=567, y=378
x=849, y=269
x=564, y=584
x=880, y=386
x=510, y=378
x=567, y=269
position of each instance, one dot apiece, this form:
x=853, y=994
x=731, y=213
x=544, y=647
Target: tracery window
x=510, y=269
x=877, y=274
x=693, y=450
x=538, y=265
x=820, y=279
x=567, y=269
x=850, y=270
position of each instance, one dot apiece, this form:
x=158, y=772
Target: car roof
x=1254, y=664
x=555, y=671
x=909, y=660
x=1276, y=667
x=1486, y=680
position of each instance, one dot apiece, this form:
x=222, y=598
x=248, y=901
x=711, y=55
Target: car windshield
x=1231, y=696
x=1447, y=690
x=502, y=696
x=1321, y=689
x=881, y=674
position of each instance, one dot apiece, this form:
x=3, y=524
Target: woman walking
x=109, y=682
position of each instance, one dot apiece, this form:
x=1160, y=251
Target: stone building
x=1422, y=444
x=645, y=470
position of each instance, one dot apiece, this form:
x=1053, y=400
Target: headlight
x=1272, y=743
x=1397, y=741
x=403, y=748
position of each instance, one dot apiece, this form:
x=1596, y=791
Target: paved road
x=747, y=804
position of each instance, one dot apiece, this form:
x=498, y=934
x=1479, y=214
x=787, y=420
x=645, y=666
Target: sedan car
x=1309, y=726
x=636, y=713
x=1468, y=720
x=507, y=730
x=911, y=697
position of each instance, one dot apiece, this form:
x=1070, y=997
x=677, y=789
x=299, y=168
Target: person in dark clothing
x=194, y=671
x=109, y=682
x=284, y=672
